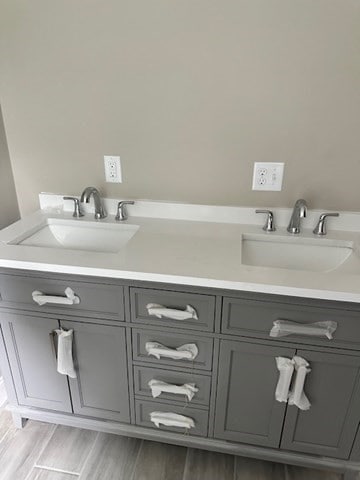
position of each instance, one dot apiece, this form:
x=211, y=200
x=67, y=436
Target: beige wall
x=9, y=210
x=189, y=92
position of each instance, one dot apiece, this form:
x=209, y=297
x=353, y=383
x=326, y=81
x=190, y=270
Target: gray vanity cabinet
x=235, y=371
x=246, y=409
x=101, y=387
x=247, y=412
x=32, y=358
x=329, y=427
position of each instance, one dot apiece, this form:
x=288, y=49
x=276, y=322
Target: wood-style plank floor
x=48, y=452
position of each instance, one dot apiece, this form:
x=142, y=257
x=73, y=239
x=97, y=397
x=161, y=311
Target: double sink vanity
x=222, y=336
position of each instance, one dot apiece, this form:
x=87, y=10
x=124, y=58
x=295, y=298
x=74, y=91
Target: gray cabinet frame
x=33, y=364
x=92, y=414
x=100, y=389
x=246, y=409
x=330, y=426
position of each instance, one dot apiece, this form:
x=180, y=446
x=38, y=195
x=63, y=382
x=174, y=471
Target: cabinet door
x=101, y=387
x=246, y=409
x=33, y=363
x=329, y=426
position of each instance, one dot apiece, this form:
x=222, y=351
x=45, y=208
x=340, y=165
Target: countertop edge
x=273, y=289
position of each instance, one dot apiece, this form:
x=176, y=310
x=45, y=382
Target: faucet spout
x=299, y=211
x=94, y=192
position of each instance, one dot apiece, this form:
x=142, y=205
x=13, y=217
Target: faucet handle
x=121, y=210
x=320, y=228
x=270, y=224
x=77, y=209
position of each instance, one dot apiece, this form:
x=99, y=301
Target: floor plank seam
x=88, y=455
x=29, y=473
x=186, y=462
x=286, y=472
x=235, y=467
x=136, y=460
x=3, y=437
x=58, y=470
x=3, y=395
x=45, y=445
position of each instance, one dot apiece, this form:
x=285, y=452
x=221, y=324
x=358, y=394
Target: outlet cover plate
x=268, y=176
x=112, y=169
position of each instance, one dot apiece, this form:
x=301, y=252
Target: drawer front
x=204, y=306
x=143, y=410
x=254, y=318
x=143, y=375
x=99, y=300
x=202, y=361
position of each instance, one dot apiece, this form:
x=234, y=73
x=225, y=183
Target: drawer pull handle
x=297, y=395
x=189, y=351
x=161, y=311
x=158, y=387
x=171, y=420
x=53, y=343
x=282, y=328
x=70, y=299
x=286, y=369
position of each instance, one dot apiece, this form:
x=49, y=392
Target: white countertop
x=184, y=252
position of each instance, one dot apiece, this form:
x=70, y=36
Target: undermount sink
x=294, y=253
x=78, y=235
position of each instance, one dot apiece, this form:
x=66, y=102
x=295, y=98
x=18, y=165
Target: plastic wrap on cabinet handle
x=172, y=313
x=282, y=328
x=65, y=361
x=297, y=395
x=158, y=387
x=286, y=369
x=171, y=420
x=189, y=351
x=42, y=299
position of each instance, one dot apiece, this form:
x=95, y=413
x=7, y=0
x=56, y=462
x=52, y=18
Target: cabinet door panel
x=101, y=387
x=246, y=409
x=329, y=426
x=33, y=363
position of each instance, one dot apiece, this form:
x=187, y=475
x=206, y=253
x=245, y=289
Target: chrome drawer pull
x=172, y=313
x=70, y=299
x=282, y=328
x=297, y=395
x=171, y=420
x=189, y=351
x=157, y=387
x=286, y=369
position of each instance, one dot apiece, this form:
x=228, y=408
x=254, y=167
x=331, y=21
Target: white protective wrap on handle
x=171, y=420
x=42, y=299
x=297, y=395
x=158, y=387
x=282, y=328
x=286, y=369
x=189, y=351
x=161, y=311
x=65, y=362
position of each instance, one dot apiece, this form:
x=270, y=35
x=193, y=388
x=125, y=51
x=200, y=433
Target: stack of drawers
x=172, y=334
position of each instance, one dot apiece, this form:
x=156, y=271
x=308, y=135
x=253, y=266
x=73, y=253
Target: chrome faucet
x=85, y=197
x=121, y=213
x=300, y=209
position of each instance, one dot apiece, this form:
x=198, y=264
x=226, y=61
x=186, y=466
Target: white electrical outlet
x=112, y=169
x=268, y=176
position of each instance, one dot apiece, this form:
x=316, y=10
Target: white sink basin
x=78, y=235
x=294, y=253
